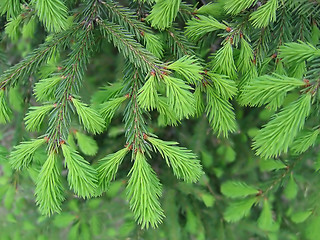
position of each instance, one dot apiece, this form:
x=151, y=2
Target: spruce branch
x=108, y=167
x=265, y=14
x=82, y=178
x=49, y=189
x=35, y=116
x=5, y=111
x=144, y=191
x=184, y=163
x=129, y=47
x=22, y=154
x=278, y=134
x=53, y=13
x=163, y=13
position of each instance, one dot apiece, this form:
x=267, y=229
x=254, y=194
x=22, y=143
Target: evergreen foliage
x=237, y=81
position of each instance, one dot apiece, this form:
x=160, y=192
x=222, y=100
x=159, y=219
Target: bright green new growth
x=237, y=189
x=143, y=191
x=239, y=209
x=265, y=14
x=265, y=220
x=189, y=68
x=86, y=144
x=223, y=61
x=5, y=112
x=53, y=14
x=269, y=90
x=225, y=87
x=11, y=7
x=108, y=167
x=154, y=44
x=49, y=189
x=45, y=88
x=246, y=57
x=148, y=96
x=198, y=27
x=89, y=117
x=220, y=113
x=184, y=163
x=167, y=116
x=22, y=154
x=36, y=115
x=304, y=141
x=163, y=13
x=180, y=98
x=236, y=6
x=278, y=134
x=108, y=109
x=82, y=178
x=298, y=52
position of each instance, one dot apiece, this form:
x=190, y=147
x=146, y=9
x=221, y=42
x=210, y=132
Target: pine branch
x=11, y=7
x=265, y=14
x=86, y=144
x=236, y=6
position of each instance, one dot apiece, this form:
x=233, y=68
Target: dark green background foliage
x=161, y=119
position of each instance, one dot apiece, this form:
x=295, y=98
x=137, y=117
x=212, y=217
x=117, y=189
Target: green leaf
x=22, y=154
x=49, y=189
x=291, y=189
x=235, y=189
x=312, y=229
x=81, y=176
x=35, y=116
x=220, y=113
x=184, y=163
x=90, y=118
x=270, y=165
x=208, y=199
x=238, y=210
x=299, y=217
x=163, y=13
x=53, y=13
x=278, y=134
x=201, y=25
x=265, y=14
x=108, y=167
x=265, y=220
x=143, y=192
x=86, y=144
x=180, y=97
x=5, y=112
x=63, y=220
x=189, y=68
